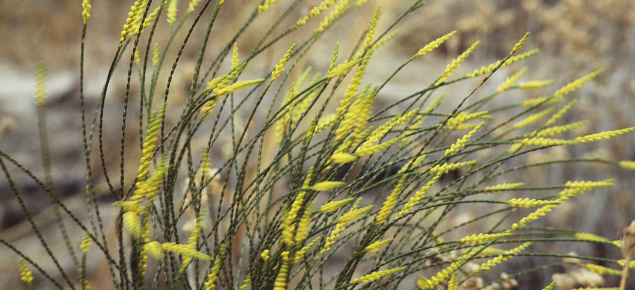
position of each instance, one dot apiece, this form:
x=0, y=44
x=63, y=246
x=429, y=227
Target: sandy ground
x=574, y=37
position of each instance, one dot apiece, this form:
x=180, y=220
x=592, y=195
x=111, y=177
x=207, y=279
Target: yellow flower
x=280, y=66
x=213, y=274
x=281, y=279
x=435, y=280
x=335, y=205
x=237, y=86
x=265, y=255
x=588, y=185
x=603, y=135
x=627, y=164
x=377, y=275
x=532, y=85
x=171, y=14
x=503, y=257
x=25, y=273
x=343, y=157
x=533, y=118
x=40, y=91
x=327, y=185
x=85, y=10
x=491, y=67
x=576, y=84
x=510, y=81
x=500, y=187
x=461, y=142
x=374, y=247
x=434, y=44
x=480, y=238
x=454, y=64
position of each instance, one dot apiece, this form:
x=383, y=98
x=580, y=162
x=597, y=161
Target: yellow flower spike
x=171, y=14
x=154, y=249
x=213, y=274
x=235, y=60
x=327, y=185
x=543, y=142
x=281, y=280
x=265, y=6
x=533, y=216
x=481, y=238
x=155, y=56
x=383, y=41
x=265, y=254
x=343, y=68
x=343, y=158
x=560, y=129
x=418, y=196
x=461, y=142
x=436, y=43
x=568, y=193
x=528, y=202
x=132, y=223
x=85, y=242
x=237, y=86
x=193, y=4
x=349, y=95
x=627, y=164
x=533, y=85
x=330, y=240
x=353, y=214
x=491, y=67
x=601, y=269
x=501, y=187
x=463, y=117
x=150, y=142
x=364, y=107
x=193, y=240
x=425, y=283
x=300, y=253
x=369, y=150
x=135, y=10
x=303, y=226
x=86, y=10
x=377, y=275
x=576, y=84
x=454, y=282
x=560, y=113
x=280, y=66
x=374, y=247
x=510, y=81
x=520, y=43
x=533, y=118
x=503, y=257
x=371, y=29
x=546, y=100
x=40, y=89
x=25, y=274
x=335, y=205
x=455, y=64
x=588, y=185
x=336, y=13
x=380, y=132
x=603, y=135
x=444, y=168
x=246, y=281
x=315, y=11
x=391, y=200
x=550, y=286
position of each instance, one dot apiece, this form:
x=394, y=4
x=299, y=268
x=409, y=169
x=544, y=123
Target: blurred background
x=575, y=37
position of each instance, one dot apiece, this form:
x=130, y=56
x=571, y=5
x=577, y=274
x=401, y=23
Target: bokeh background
x=575, y=37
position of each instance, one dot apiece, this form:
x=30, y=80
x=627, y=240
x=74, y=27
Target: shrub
x=295, y=179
